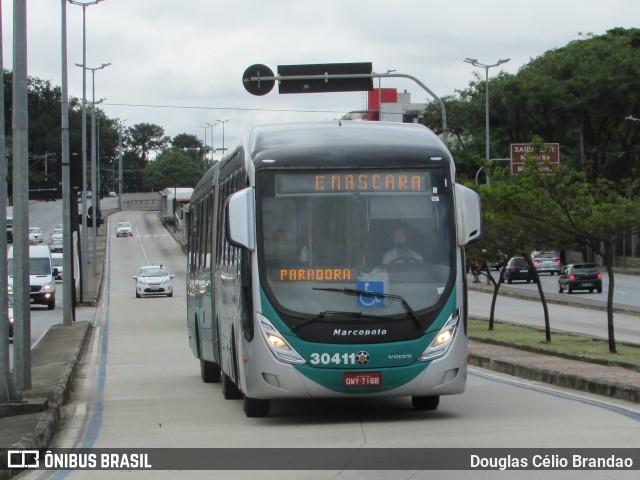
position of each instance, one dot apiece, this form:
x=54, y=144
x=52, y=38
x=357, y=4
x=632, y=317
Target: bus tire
x=255, y=407
x=426, y=403
x=209, y=371
x=230, y=390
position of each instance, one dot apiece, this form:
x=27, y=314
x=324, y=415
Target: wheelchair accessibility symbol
x=370, y=301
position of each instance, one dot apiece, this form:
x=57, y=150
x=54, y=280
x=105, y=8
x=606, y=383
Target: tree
x=145, y=138
x=173, y=168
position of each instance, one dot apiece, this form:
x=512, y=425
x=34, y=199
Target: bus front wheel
x=254, y=407
x=426, y=403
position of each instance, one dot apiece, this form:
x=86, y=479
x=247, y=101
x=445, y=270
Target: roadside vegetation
x=580, y=347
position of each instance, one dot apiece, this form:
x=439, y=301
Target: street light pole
x=475, y=63
x=222, y=122
x=93, y=161
x=84, y=237
x=205, y=142
x=212, y=148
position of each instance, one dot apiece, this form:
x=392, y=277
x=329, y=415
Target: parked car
x=582, y=276
x=35, y=235
x=518, y=269
x=548, y=262
x=57, y=260
x=123, y=229
x=154, y=280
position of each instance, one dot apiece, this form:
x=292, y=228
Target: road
x=47, y=215
x=626, y=292
x=140, y=387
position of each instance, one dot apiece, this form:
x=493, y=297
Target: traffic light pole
x=271, y=79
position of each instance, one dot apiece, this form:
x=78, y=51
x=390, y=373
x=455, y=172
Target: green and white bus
x=327, y=259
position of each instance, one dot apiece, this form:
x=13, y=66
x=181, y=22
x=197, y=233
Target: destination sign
x=342, y=182
x=314, y=274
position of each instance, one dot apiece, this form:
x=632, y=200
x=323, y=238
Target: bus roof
x=341, y=143
x=333, y=144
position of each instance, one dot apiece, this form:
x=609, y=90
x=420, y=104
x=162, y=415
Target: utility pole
x=21, y=294
x=68, y=299
x=8, y=391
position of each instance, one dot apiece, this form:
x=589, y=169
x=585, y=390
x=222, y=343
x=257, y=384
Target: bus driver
x=401, y=252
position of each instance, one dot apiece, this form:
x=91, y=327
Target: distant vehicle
x=56, y=234
x=9, y=224
x=583, y=276
x=41, y=275
x=154, y=280
x=35, y=235
x=56, y=245
x=10, y=316
x=57, y=260
x=123, y=229
x=518, y=269
x=113, y=194
x=548, y=262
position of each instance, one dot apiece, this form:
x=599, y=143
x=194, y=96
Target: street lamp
x=212, y=148
x=84, y=238
x=222, y=122
x=205, y=141
x=93, y=160
x=475, y=63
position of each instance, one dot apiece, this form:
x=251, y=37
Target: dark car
x=580, y=276
x=518, y=269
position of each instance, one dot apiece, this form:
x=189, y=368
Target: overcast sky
x=179, y=63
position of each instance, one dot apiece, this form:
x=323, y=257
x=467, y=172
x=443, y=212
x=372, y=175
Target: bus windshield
x=384, y=231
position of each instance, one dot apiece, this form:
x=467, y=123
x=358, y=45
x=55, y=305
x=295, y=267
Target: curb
x=602, y=387
x=49, y=419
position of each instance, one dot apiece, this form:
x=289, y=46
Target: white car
x=56, y=234
x=154, y=280
x=35, y=235
x=123, y=229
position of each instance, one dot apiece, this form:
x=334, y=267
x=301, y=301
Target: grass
x=564, y=344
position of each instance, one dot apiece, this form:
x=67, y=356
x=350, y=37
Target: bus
x=326, y=260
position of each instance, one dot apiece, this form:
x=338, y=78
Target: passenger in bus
x=401, y=252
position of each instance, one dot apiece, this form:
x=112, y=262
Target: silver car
x=548, y=262
x=35, y=235
x=123, y=229
x=154, y=280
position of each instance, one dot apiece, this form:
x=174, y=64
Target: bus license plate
x=368, y=379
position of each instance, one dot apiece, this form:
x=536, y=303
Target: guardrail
x=151, y=204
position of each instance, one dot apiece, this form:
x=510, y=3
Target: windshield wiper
x=398, y=298
x=331, y=313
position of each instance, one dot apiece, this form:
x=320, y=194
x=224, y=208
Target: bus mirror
x=241, y=219
x=468, y=216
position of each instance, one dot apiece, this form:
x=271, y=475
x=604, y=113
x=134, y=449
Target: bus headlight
x=277, y=344
x=443, y=340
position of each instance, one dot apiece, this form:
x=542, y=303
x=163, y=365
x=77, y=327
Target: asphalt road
x=140, y=388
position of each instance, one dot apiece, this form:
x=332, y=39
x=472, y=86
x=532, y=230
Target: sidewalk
x=32, y=423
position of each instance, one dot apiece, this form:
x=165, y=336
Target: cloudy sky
x=179, y=63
